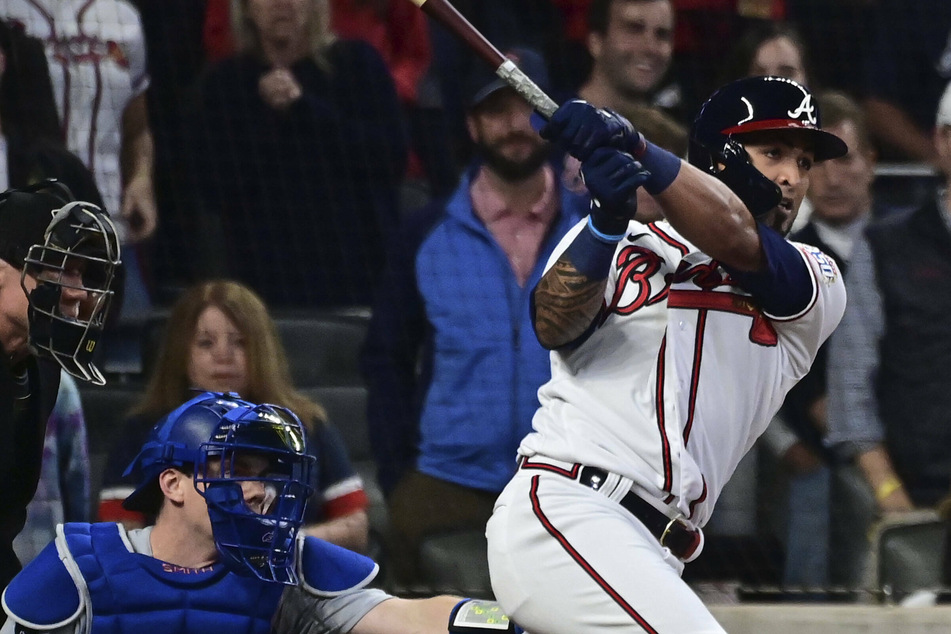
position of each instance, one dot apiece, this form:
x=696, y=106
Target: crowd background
x=290, y=142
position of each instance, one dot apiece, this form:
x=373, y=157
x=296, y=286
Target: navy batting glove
x=612, y=178
x=580, y=128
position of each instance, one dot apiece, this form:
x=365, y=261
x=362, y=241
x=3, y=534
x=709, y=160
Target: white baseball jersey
x=96, y=54
x=684, y=373
x=667, y=395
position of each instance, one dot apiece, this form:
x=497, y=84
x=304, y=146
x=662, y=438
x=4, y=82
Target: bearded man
x=451, y=360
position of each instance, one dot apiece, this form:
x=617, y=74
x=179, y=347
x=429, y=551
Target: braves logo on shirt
x=86, y=49
x=637, y=284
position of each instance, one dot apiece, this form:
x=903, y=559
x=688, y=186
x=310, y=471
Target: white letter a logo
x=805, y=108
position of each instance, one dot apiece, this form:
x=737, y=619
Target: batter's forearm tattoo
x=566, y=302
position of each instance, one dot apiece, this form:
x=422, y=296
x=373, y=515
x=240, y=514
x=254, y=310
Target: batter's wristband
x=663, y=165
x=590, y=254
x=604, y=237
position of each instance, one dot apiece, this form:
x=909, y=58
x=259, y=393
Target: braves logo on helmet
x=805, y=108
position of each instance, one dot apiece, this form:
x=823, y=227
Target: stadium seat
x=323, y=348
x=346, y=407
x=908, y=553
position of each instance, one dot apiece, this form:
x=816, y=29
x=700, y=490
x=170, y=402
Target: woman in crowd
x=220, y=337
x=301, y=150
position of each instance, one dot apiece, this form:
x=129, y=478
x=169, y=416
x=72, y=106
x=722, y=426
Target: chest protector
x=122, y=591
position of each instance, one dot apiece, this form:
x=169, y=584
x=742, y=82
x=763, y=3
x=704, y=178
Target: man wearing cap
x=57, y=261
x=889, y=402
x=631, y=44
x=451, y=361
x=673, y=345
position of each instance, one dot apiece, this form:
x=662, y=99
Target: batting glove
x=580, y=128
x=612, y=178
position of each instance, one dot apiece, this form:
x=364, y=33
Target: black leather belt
x=682, y=539
x=675, y=534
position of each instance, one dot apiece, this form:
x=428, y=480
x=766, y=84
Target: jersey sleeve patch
x=825, y=265
x=327, y=570
x=43, y=595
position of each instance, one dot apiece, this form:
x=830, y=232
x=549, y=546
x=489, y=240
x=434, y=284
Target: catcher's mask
x=250, y=464
x=71, y=250
x=754, y=104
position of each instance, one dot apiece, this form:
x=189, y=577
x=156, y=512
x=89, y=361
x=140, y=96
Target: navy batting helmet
x=227, y=442
x=755, y=104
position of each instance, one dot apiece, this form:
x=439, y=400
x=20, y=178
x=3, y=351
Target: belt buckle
x=685, y=540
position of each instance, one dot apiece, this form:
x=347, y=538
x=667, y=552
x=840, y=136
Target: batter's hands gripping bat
x=449, y=17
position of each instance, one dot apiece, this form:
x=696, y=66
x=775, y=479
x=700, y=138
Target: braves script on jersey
x=96, y=55
x=684, y=373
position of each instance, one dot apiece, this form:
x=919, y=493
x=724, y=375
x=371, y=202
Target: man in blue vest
x=229, y=480
x=451, y=361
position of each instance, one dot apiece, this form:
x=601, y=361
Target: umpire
x=58, y=259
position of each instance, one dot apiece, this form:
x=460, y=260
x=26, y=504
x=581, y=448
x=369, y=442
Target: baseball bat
x=458, y=25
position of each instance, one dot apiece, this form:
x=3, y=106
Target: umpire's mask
x=74, y=264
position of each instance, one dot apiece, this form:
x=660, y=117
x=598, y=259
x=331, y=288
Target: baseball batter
x=673, y=344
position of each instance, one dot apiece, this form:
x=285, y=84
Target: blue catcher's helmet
x=249, y=463
x=755, y=104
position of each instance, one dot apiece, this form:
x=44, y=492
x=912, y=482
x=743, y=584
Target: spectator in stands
x=889, y=400
x=625, y=37
x=29, y=127
x=631, y=44
x=62, y=494
x=770, y=48
x=301, y=152
x=220, y=337
x=451, y=361
x=707, y=31
x=907, y=65
x=794, y=435
x=841, y=195
x=97, y=60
